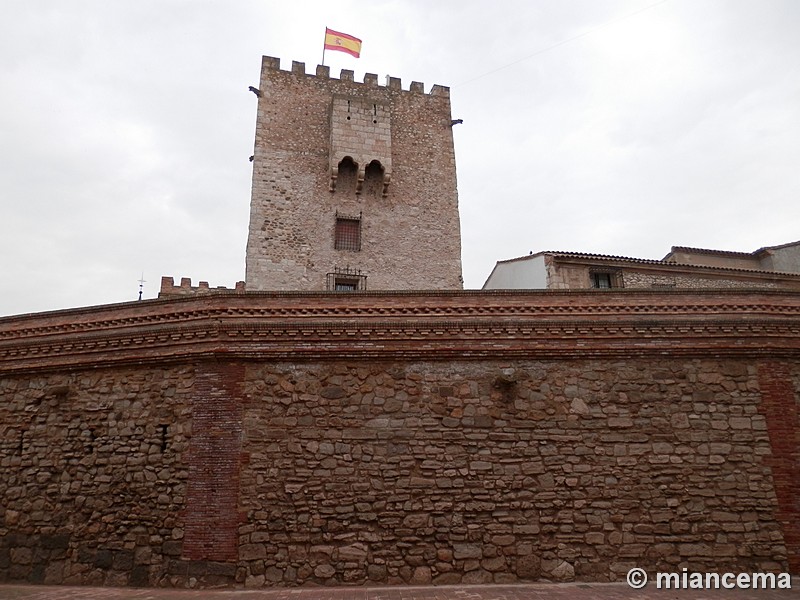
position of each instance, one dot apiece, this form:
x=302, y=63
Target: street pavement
x=539, y=591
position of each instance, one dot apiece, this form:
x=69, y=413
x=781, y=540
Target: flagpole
x=323, y=46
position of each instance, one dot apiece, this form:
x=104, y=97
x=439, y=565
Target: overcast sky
x=607, y=126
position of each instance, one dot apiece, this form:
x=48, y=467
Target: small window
x=348, y=234
x=601, y=280
x=346, y=280
x=604, y=280
x=345, y=285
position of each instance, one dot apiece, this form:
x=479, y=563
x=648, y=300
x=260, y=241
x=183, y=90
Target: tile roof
x=656, y=262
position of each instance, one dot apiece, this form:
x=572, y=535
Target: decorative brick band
x=212, y=517
x=405, y=325
x=781, y=409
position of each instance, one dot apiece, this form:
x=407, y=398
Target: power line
x=561, y=43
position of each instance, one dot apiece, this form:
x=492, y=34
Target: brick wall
x=168, y=287
x=780, y=405
x=287, y=439
x=211, y=515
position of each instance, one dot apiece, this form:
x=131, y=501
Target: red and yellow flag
x=342, y=42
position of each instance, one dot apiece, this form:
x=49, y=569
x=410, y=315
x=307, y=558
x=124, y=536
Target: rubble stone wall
x=635, y=279
x=499, y=472
x=397, y=472
x=94, y=475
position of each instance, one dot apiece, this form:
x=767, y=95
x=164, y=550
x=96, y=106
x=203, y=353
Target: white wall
x=524, y=274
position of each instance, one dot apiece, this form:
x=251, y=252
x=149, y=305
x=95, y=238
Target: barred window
x=348, y=234
x=346, y=280
x=345, y=285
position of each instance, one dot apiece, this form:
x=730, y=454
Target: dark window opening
x=347, y=174
x=604, y=280
x=345, y=285
x=373, y=179
x=346, y=280
x=89, y=438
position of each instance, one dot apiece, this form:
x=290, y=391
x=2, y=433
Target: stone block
x=477, y=577
x=353, y=553
x=21, y=556
x=416, y=521
x=324, y=571
x=252, y=551
x=451, y=578
x=172, y=548
x=421, y=576
x=528, y=567
x=376, y=573
x=559, y=570
x=55, y=541
x=497, y=563
x=503, y=540
x=103, y=558
x=595, y=538
x=140, y=576
x=462, y=551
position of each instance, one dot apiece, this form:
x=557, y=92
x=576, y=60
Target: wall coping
x=540, y=324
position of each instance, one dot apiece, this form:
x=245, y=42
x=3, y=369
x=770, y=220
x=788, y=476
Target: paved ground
x=572, y=591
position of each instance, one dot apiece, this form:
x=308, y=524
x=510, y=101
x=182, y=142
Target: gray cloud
x=126, y=128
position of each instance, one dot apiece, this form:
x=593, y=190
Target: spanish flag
x=342, y=42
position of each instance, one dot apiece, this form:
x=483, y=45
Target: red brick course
x=212, y=517
x=781, y=407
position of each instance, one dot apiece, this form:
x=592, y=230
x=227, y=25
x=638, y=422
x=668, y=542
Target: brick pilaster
x=212, y=518
x=779, y=405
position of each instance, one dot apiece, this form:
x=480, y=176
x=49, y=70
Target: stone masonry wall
x=401, y=472
x=410, y=238
x=577, y=276
x=499, y=472
x=94, y=475
x=633, y=279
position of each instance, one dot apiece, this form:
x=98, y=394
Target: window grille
x=347, y=235
x=346, y=280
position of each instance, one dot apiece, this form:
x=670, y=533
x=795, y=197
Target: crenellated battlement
x=168, y=288
x=326, y=147
x=347, y=75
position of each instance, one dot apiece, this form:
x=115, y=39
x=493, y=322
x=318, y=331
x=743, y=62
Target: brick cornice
x=406, y=325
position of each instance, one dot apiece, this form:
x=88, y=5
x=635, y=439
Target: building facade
x=776, y=267
x=354, y=185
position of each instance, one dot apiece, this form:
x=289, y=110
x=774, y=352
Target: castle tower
x=354, y=185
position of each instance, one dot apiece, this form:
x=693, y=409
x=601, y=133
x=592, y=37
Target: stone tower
x=354, y=185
